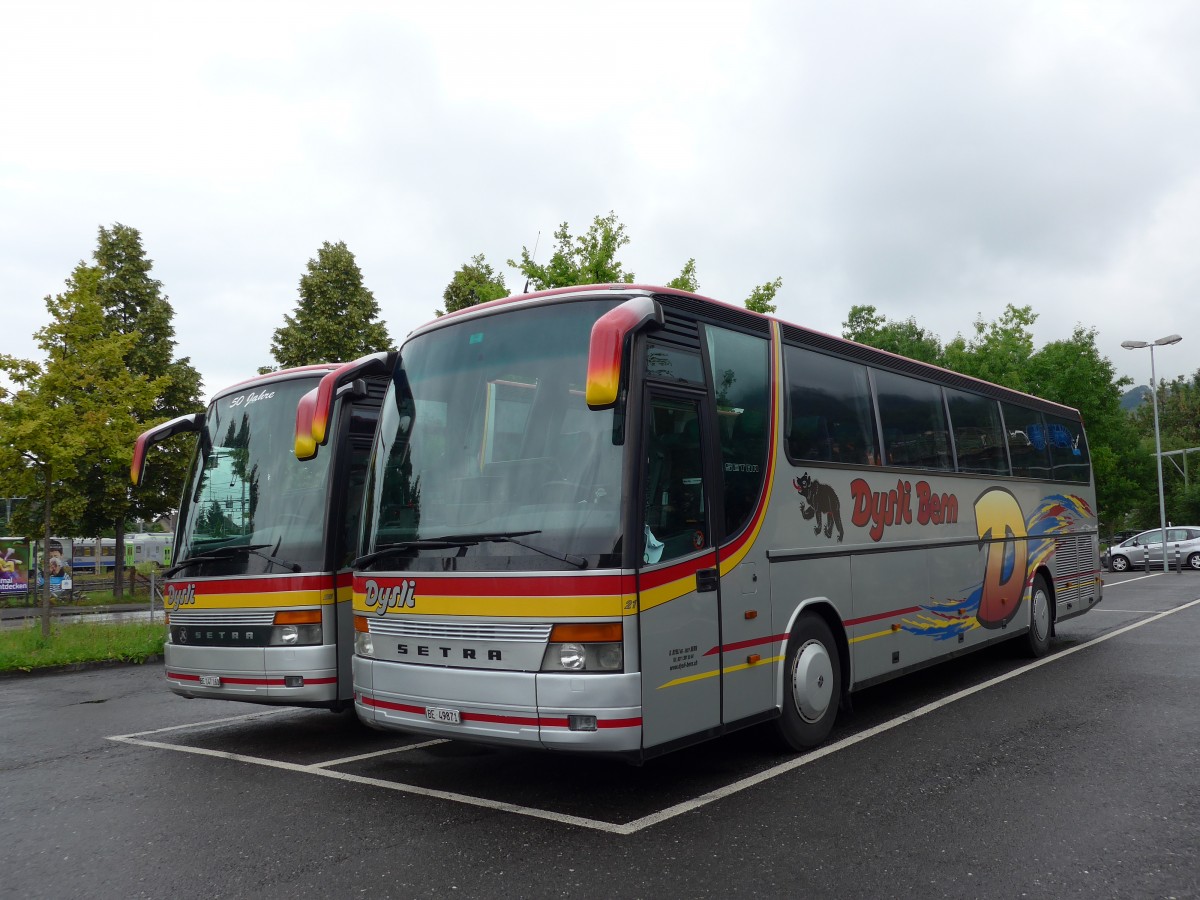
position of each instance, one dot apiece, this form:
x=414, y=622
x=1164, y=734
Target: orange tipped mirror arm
x=609, y=341
x=315, y=407
x=192, y=422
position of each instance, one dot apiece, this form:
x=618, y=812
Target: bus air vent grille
x=222, y=617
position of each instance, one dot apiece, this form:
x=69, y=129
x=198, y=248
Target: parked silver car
x=1183, y=543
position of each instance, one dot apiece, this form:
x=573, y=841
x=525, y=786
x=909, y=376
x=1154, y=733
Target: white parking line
x=1109, y=609
x=662, y=815
x=405, y=749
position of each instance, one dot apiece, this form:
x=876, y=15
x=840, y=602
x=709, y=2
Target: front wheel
x=1193, y=561
x=1119, y=564
x=812, y=684
x=1041, y=620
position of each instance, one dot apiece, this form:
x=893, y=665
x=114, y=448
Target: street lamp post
x=1162, y=505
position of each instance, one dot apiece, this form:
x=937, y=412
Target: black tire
x=814, y=665
x=1118, y=564
x=1193, y=561
x=1041, y=618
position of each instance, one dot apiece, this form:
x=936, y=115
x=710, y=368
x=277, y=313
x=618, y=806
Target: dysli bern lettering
x=895, y=506
x=395, y=597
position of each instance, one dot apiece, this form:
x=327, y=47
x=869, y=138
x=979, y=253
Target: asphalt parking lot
x=1075, y=775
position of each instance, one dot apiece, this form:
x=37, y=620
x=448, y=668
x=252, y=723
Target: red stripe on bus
x=528, y=721
x=619, y=723
x=887, y=615
x=742, y=645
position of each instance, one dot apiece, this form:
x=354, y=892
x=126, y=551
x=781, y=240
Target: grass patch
x=24, y=649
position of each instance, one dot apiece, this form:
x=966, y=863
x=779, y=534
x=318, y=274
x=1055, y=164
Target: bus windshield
x=249, y=506
x=487, y=456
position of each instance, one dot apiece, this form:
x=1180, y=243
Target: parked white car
x=1183, y=542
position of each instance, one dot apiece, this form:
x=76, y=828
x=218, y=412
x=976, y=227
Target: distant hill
x=1133, y=398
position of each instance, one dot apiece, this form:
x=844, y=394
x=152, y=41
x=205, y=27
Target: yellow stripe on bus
x=258, y=599
x=726, y=671
x=532, y=607
x=665, y=593
x=867, y=637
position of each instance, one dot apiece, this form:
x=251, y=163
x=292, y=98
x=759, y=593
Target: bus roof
x=793, y=334
x=281, y=374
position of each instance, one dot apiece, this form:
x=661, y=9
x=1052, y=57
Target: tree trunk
x=119, y=560
x=45, y=566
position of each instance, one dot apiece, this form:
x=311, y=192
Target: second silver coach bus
x=258, y=598
x=623, y=519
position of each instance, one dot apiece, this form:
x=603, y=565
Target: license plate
x=210, y=680
x=441, y=714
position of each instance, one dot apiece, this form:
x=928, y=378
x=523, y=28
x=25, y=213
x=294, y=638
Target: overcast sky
x=935, y=159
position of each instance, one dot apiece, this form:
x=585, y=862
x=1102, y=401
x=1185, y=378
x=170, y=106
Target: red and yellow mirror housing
x=192, y=422
x=607, y=348
x=315, y=408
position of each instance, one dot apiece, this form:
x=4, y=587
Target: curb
x=79, y=667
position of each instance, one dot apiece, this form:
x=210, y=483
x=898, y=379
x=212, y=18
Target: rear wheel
x=812, y=684
x=1193, y=561
x=1119, y=564
x=1041, y=619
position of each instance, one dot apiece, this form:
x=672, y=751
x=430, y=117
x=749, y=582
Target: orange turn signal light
x=361, y=624
x=586, y=633
x=298, y=617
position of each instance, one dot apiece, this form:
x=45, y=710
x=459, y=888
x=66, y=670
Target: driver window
x=675, y=504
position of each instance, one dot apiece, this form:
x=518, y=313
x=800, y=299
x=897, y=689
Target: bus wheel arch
x=815, y=675
x=1041, y=614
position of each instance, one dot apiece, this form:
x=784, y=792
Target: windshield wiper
x=219, y=553
x=469, y=540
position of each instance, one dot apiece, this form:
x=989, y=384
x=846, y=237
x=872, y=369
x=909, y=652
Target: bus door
x=678, y=579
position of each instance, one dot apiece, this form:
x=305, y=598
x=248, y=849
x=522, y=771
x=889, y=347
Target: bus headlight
x=296, y=627
x=585, y=647
x=572, y=656
x=295, y=635
x=363, y=645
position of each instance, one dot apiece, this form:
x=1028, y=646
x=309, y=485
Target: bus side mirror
x=192, y=422
x=315, y=407
x=609, y=343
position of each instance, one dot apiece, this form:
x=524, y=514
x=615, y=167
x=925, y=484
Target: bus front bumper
x=300, y=676
x=592, y=713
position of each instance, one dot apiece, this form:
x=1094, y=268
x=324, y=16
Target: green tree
x=999, y=352
x=866, y=325
x=1179, y=429
x=686, y=280
x=590, y=258
x=75, y=416
x=474, y=282
x=762, y=297
x=337, y=318
x=134, y=304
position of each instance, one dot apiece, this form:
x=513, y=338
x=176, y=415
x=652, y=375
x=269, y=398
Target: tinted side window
x=673, y=364
x=740, y=369
x=914, y=422
x=978, y=433
x=1068, y=449
x=1026, y=441
x=830, y=416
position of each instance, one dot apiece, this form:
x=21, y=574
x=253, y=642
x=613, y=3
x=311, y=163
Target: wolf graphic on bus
x=821, y=499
